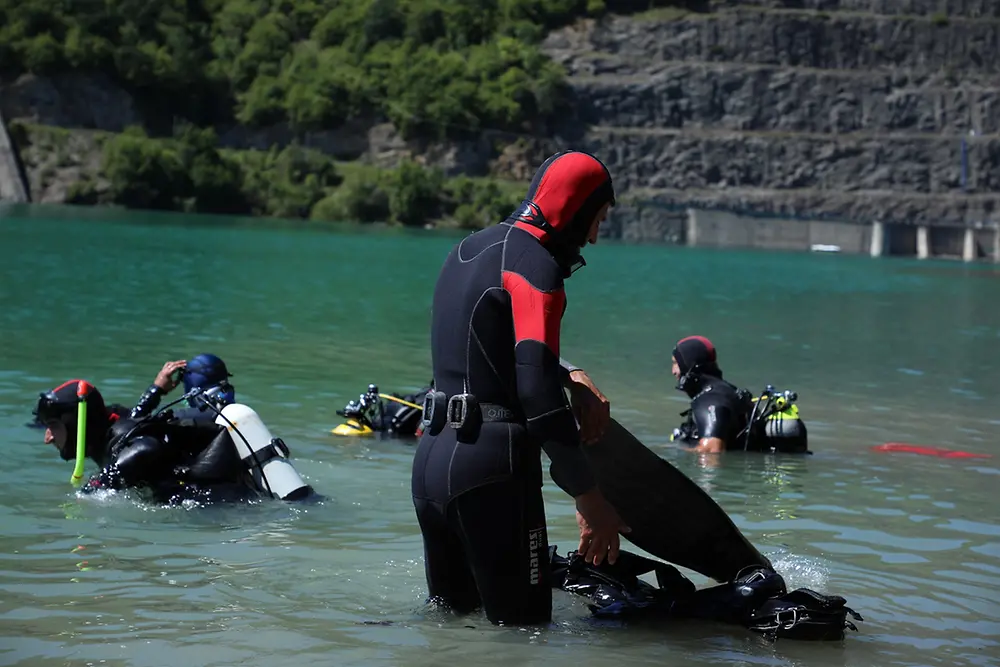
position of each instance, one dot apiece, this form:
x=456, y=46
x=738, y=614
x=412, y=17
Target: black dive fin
x=670, y=516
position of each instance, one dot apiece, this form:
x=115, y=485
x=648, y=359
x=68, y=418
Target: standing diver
x=723, y=417
x=172, y=458
x=499, y=400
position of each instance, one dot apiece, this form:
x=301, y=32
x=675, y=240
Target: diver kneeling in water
x=723, y=417
x=175, y=459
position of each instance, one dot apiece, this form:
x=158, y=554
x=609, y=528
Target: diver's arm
x=537, y=307
x=709, y=446
x=713, y=422
x=148, y=402
x=565, y=370
x=165, y=381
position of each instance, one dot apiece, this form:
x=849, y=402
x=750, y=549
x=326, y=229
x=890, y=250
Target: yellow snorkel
x=82, y=389
x=396, y=399
x=358, y=413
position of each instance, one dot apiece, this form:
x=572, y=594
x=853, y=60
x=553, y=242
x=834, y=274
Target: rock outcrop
x=851, y=109
x=857, y=110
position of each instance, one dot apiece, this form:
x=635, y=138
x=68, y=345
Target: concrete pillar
x=692, y=227
x=878, y=239
x=969, y=245
x=923, y=242
x=996, y=245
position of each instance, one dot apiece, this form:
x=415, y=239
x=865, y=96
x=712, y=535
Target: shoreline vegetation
x=190, y=173
x=435, y=69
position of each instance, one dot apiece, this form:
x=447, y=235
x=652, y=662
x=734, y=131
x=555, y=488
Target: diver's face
x=675, y=370
x=595, y=226
x=56, y=434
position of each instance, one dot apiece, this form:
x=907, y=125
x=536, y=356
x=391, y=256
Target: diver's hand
x=591, y=407
x=599, y=527
x=165, y=379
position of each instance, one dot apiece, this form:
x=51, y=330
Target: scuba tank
x=265, y=456
x=775, y=424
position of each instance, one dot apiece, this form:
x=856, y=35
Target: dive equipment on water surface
x=775, y=424
x=756, y=598
x=369, y=414
x=941, y=452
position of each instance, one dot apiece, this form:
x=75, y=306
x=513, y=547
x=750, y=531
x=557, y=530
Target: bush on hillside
x=189, y=173
x=438, y=67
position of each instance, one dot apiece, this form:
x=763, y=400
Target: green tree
x=415, y=194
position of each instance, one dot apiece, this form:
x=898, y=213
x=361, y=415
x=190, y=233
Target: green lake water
x=879, y=351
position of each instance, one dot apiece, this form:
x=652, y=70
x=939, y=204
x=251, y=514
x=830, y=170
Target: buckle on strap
x=463, y=413
x=465, y=416
x=784, y=619
x=435, y=412
x=462, y=410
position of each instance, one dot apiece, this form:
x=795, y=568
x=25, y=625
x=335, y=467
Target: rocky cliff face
x=851, y=109
x=847, y=109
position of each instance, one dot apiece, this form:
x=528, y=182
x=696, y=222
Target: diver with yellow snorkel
x=172, y=458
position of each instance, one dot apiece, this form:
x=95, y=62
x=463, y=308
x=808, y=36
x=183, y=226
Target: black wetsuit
x=718, y=410
x=497, y=309
x=150, y=400
x=400, y=419
x=172, y=460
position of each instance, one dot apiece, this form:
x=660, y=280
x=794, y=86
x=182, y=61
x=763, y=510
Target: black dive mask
x=50, y=409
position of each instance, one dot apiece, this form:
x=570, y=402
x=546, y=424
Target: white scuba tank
x=277, y=473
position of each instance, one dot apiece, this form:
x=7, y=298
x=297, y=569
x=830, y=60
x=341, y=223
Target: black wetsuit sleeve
x=148, y=402
x=537, y=302
x=714, y=421
x=565, y=368
x=195, y=417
